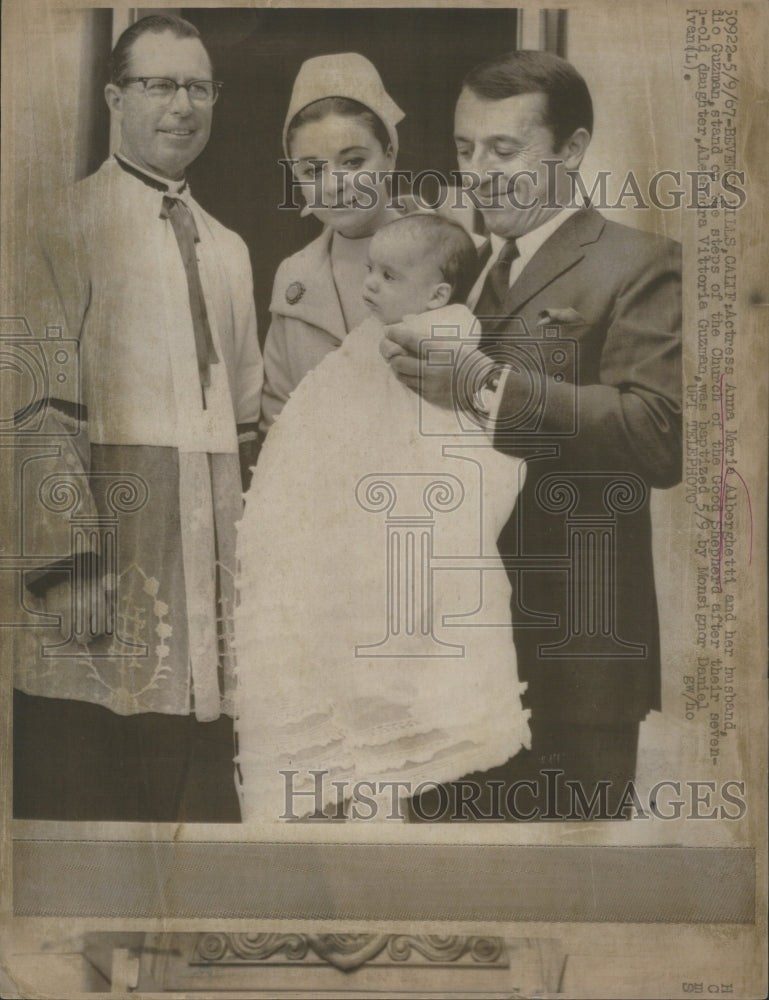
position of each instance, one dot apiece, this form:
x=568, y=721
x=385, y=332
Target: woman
x=340, y=130
x=320, y=693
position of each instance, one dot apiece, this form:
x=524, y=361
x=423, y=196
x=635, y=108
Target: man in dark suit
x=581, y=326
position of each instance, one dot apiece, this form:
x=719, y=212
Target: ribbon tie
x=186, y=232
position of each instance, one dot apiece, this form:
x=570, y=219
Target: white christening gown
x=373, y=634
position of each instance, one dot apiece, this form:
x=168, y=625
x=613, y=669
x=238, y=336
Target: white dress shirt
x=527, y=245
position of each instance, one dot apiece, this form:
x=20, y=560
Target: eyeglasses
x=163, y=91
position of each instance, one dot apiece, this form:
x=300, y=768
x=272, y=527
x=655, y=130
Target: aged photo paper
x=277, y=875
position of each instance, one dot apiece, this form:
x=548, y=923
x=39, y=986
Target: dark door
x=421, y=54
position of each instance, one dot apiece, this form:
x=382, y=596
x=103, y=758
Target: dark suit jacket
x=600, y=424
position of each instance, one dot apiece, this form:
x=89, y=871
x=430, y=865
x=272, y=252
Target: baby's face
x=403, y=277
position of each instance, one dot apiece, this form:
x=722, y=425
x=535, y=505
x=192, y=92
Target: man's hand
x=449, y=386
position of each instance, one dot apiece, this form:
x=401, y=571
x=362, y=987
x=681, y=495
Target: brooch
x=294, y=292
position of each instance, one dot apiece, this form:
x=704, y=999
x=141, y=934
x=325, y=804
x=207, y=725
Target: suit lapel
x=556, y=255
x=323, y=306
x=307, y=291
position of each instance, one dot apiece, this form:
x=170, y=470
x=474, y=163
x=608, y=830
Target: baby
x=418, y=264
x=367, y=652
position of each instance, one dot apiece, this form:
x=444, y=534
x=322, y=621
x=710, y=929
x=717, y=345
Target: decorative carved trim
x=349, y=951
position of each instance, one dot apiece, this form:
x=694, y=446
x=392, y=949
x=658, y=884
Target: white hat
x=349, y=75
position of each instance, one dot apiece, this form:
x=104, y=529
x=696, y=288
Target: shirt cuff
x=494, y=399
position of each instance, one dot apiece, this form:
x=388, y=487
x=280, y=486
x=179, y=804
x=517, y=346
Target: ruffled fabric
x=366, y=648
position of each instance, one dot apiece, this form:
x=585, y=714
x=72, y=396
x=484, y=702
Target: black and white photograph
x=383, y=579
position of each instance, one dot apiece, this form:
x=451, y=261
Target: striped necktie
x=491, y=301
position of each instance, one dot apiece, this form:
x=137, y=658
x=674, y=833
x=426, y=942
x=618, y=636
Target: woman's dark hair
x=343, y=106
x=154, y=23
x=568, y=102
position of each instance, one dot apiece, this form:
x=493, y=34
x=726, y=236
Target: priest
x=123, y=695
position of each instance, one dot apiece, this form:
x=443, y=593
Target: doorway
x=422, y=56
